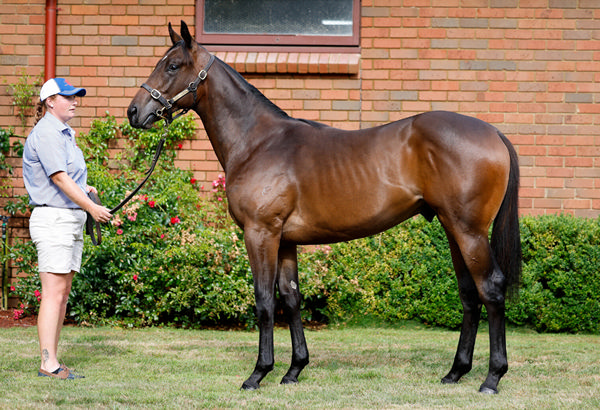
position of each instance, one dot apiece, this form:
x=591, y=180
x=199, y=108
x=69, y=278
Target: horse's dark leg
x=463, y=360
x=289, y=292
x=495, y=290
x=262, y=249
x=491, y=288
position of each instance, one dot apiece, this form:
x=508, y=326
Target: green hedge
x=406, y=273
x=173, y=257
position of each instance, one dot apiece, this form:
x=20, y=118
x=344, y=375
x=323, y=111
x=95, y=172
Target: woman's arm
x=75, y=194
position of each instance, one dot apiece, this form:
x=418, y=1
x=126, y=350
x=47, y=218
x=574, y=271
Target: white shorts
x=58, y=236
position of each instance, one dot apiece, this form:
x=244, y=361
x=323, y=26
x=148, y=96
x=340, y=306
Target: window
x=264, y=25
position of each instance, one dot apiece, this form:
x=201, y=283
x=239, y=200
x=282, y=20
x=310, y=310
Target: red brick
x=555, y=52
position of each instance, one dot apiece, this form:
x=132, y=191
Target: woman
x=55, y=177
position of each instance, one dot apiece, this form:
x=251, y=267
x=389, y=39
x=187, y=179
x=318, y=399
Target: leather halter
x=167, y=104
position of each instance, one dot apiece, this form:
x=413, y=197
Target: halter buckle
x=155, y=94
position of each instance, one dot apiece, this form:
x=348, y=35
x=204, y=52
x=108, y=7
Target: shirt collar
x=64, y=128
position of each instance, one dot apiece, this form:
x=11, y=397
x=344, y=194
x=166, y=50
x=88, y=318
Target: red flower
x=151, y=204
x=12, y=288
x=119, y=231
x=193, y=181
x=175, y=220
x=135, y=278
x=180, y=145
x=37, y=293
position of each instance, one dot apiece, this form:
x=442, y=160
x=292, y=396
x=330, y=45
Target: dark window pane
x=283, y=17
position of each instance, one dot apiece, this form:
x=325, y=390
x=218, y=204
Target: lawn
x=351, y=367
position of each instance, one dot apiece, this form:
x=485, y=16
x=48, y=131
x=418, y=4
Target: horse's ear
x=175, y=38
x=185, y=33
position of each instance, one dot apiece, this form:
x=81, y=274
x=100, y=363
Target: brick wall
x=530, y=67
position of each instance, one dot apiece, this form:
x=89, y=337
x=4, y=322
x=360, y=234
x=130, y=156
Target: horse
x=294, y=182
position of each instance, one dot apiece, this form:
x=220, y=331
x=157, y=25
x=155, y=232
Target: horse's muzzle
x=136, y=121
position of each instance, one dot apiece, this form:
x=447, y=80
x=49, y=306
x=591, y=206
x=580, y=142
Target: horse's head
x=175, y=83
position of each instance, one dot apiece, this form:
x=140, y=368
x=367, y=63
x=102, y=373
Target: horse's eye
x=173, y=67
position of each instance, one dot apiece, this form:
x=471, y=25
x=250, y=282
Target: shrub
x=561, y=279
x=405, y=273
x=172, y=256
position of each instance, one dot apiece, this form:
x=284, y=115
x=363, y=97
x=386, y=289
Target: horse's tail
x=506, y=237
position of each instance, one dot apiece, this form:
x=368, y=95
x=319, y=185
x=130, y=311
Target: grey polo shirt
x=50, y=148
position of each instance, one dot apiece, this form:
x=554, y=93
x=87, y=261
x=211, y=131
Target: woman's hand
x=72, y=190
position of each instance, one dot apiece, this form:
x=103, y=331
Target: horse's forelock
x=188, y=59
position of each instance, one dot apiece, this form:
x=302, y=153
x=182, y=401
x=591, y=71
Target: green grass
x=352, y=367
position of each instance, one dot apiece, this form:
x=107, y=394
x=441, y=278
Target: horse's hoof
x=487, y=390
x=289, y=380
x=248, y=386
x=447, y=380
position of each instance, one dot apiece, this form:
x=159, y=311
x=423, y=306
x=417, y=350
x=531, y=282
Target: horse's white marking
x=293, y=284
x=166, y=55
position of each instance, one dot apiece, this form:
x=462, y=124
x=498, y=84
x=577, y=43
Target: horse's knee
x=290, y=296
x=291, y=303
x=265, y=309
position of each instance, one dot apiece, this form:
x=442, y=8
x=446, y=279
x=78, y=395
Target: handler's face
x=63, y=107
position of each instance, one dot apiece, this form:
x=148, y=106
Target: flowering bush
x=27, y=289
x=173, y=256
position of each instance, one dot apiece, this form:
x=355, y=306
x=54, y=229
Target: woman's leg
x=55, y=294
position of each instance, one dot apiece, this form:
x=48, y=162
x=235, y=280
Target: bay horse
x=293, y=182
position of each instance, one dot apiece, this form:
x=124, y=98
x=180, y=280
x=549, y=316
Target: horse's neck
x=229, y=113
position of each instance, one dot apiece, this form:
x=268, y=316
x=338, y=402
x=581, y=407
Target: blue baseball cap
x=59, y=86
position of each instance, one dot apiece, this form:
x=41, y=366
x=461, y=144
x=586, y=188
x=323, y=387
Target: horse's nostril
x=132, y=112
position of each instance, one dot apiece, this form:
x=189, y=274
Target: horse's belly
x=338, y=221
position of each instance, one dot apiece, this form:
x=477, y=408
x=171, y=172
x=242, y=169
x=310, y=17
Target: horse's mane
x=255, y=92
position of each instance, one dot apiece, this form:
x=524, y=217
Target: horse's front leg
x=289, y=291
x=262, y=247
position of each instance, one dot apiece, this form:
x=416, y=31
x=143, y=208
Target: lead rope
x=92, y=227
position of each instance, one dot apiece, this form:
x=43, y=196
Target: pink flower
x=17, y=314
x=12, y=288
x=151, y=204
x=119, y=231
x=162, y=236
x=175, y=220
x=37, y=293
x=220, y=199
x=132, y=217
x=135, y=278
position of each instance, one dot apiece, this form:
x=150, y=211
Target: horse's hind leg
x=463, y=360
x=289, y=291
x=491, y=288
